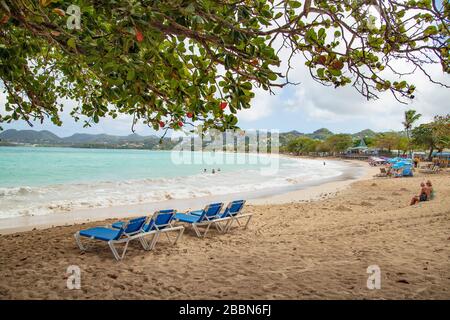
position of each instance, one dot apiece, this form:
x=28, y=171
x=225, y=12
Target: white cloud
x=324, y=105
x=263, y=105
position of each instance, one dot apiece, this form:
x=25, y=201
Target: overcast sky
x=305, y=107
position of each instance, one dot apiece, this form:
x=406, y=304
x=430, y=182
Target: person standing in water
x=213, y=171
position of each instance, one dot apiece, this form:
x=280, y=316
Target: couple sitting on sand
x=426, y=193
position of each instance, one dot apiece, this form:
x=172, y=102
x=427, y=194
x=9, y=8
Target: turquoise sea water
x=39, y=181
x=40, y=166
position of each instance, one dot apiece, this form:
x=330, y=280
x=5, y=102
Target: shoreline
x=310, y=191
x=321, y=191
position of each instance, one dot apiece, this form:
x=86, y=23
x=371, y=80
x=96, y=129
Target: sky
x=305, y=107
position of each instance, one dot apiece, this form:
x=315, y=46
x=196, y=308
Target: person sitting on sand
x=423, y=196
x=389, y=170
x=431, y=190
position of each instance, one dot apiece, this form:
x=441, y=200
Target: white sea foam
x=26, y=200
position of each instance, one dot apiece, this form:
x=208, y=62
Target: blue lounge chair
x=160, y=222
x=233, y=212
x=201, y=218
x=113, y=236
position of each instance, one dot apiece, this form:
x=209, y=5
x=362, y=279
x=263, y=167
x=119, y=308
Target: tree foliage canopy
x=173, y=62
x=433, y=135
x=302, y=145
x=339, y=142
x=391, y=140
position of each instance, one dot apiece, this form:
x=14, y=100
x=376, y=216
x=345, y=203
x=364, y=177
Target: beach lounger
x=113, y=236
x=232, y=213
x=201, y=218
x=160, y=222
x=434, y=169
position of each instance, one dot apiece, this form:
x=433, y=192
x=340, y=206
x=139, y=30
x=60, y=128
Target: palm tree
x=410, y=117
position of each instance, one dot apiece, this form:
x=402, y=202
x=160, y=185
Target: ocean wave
x=24, y=201
x=21, y=191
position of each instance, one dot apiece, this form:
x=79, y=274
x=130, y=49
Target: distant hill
x=367, y=133
x=84, y=140
x=133, y=141
x=287, y=136
x=103, y=138
x=320, y=134
x=29, y=136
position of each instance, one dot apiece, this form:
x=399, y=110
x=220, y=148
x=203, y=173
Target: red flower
x=139, y=35
x=162, y=124
x=180, y=123
x=189, y=115
x=4, y=19
x=223, y=105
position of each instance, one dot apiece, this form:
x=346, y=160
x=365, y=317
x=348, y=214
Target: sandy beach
x=116, y=110
x=294, y=248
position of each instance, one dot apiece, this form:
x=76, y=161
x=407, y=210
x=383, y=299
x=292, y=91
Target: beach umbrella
x=401, y=164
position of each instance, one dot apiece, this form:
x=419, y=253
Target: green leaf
x=295, y=4
x=321, y=72
x=131, y=74
x=71, y=43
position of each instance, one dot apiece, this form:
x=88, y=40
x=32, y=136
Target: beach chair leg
x=180, y=233
x=115, y=252
x=194, y=226
x=167, y=236
x=151, y=244
x=218, y=227
x=248, y=221
x=78, y=241
x=144, y=243
x=207, y=229
x=231, y=223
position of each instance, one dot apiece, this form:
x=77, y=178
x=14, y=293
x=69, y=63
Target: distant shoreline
x=76, y=146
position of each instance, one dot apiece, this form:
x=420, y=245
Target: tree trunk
x=430, y=154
